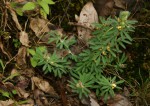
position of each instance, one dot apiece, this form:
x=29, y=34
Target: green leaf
x=49, y=1
x=104, y=87
x=33, y=62
x=45, y=67
x=19, y=11
x=29, y=6
x=45, y=6
x=42, y=48
x=119, y=82
x=111, y=92
x=13, y=4
x=114, y=78
x=125, y=41
x=123, y=58
x=2, y=64
x=121, y=44
x=104, y=60
x=128, y=36
x=6, y=94
x=14, y=91
x=31, y=51
x=105, y=97
x=113, y=54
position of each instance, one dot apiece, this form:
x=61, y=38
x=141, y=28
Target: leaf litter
x=32, y=88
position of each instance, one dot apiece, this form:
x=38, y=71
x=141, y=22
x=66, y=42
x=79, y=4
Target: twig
x=69, y=2
x=145, y=25
x=80, y=25
x=57, y=97
x=141, y=38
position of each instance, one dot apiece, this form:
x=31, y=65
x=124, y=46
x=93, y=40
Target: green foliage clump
x=89, y=68
x=43, y=4
x=104, y=52
x=54, y=62
x=50, y=62
x=81, y=83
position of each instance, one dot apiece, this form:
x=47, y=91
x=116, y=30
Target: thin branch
x=80, y=25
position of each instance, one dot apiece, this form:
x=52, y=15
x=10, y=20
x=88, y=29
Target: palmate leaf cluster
x=105, y=86
x=106, y=46
x=105, y=53
x=53, y=62
x=85, y=81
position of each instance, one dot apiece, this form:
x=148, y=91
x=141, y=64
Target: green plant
x=81, y=83
x=63, y=42
x=43, y=6
x=104, y=52
x=49, y=62
x=16, y=43
x=8, y=94
x=106, y=86
x=89, y=68
x=54, y=61
x=2, y=66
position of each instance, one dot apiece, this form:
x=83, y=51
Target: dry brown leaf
x=43, y=85
x=9, y=86
x=120, y=4
x=85, y=101
x=87, y=16
x=119, y=100
x=4, y=51
x=93, y=102
x=14, y=16
x=22, y=93
x=9, y=102
x=126, y=91
x=21, y=57
x=40, y=100
x=39, y=26
x=28, y=72
x=24, y=39
x=21, y=81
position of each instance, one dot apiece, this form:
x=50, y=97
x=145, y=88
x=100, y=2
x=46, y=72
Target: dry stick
x=9, y=62
x=42, y=33
x=137, y=1
x=145, y=25
x=57, y=97
x=69, y=2
x=80, y=25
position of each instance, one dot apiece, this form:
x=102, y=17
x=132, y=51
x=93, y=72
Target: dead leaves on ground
x=7, y=102
x=42, y=85
x=21, y=57
x=119, y=100
x=41, y=28
x=24, y=39
x=39, y=87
